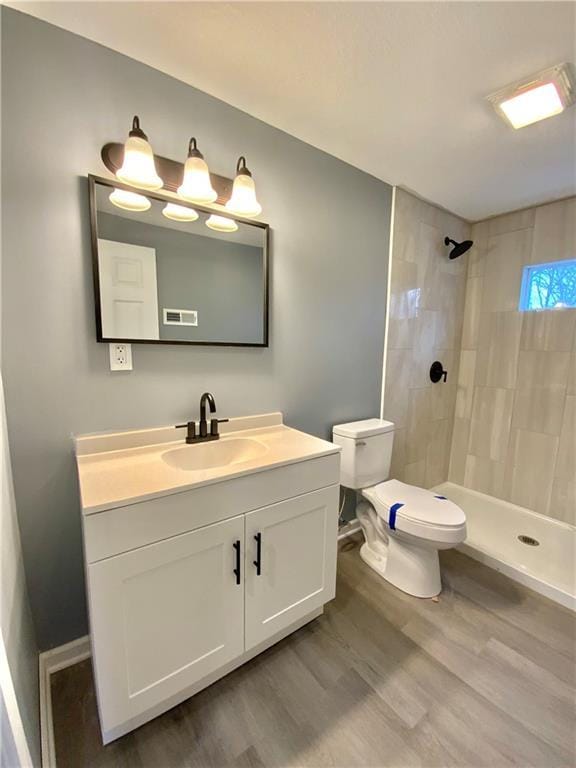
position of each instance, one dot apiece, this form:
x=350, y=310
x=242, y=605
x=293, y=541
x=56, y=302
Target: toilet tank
x=366, y=451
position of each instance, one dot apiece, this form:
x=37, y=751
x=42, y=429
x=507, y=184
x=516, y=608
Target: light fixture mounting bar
x=171, y=171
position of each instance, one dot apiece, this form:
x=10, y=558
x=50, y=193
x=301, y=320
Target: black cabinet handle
x=236, y=546
x=258, y=561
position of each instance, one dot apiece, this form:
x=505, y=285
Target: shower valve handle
x=437, y=372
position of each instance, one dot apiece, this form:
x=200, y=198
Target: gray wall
x=63, y=98
x=16, y=624
x=221, y=280
x=18, y=636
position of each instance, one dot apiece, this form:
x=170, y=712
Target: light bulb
x=243, y=200
x=138, y=168
x=179, y=212
x=221, y=223
x=129, y=201
x=196, y=186
x=533, y=105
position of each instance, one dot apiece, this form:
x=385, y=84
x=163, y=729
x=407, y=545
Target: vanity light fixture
x=196, y=186
x=243, y=200
x=129, y=201
x=138, y=167
x=221, y=223
x=545, y=94
x=179, y=212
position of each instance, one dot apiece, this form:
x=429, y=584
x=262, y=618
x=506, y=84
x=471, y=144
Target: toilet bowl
x=404, y=526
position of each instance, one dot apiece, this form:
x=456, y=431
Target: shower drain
x=528, y=540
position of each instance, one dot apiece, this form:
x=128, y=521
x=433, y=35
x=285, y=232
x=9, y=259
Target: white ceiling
x=396, y=89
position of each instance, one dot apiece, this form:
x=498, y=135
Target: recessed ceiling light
x=544, y=95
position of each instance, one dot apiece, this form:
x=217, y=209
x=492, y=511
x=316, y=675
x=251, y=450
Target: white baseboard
x=48, y=663
x=351, y=527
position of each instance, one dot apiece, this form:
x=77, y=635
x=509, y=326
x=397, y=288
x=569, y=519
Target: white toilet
x=404, y=526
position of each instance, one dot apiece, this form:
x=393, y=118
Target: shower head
x=459, y=248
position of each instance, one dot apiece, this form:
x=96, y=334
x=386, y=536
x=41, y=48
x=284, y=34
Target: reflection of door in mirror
x=128, y=290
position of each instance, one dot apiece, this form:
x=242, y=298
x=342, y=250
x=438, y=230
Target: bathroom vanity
x=198, y=557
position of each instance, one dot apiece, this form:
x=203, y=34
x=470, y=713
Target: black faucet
x=207, y=397
x=203, y=435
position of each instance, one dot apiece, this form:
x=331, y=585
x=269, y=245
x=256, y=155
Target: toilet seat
x=416, y=511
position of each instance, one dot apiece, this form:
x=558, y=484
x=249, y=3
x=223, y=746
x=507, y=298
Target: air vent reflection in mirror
x=180, y=317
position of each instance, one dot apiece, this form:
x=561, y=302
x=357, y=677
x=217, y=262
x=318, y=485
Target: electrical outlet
x=120, y=357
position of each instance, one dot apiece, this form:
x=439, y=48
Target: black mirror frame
x=169, y=198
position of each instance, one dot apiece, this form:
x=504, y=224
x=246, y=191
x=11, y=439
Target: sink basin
x=220, y=453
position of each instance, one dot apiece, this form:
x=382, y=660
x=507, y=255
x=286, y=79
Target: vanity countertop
x=117, y=469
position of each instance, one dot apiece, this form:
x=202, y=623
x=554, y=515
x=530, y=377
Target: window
x=549, y=286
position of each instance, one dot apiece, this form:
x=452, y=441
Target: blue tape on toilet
x=441, y=497
x=393, y=509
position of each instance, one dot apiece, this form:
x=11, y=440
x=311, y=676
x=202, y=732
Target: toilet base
x=413, y=569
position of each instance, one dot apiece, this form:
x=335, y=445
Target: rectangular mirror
x=162, y=281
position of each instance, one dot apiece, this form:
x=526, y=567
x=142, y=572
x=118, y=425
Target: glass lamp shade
x=196, y=186
x=243, y=200
x=179, y=212
x=138, y=168
x=129, y=201
x=221, y=223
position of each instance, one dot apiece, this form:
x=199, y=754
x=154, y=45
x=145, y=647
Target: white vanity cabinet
x=163, y=617
x=184, y=587
x=290, y=562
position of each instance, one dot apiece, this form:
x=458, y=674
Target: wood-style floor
x=483, y=677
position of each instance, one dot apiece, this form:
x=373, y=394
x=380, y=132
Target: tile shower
x=504, y=424
x=515, y=420
x=427, y=293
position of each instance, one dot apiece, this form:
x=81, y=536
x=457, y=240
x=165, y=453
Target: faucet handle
x=214, y=425
x=191, y=433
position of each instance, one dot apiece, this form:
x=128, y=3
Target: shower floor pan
x=534, y=550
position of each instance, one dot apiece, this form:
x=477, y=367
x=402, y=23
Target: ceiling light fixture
x=179, y=212
x=243, y=200
x=138, y=167
x=129, y=201
x=545, y=94
x=196, y=186
x=221, y=223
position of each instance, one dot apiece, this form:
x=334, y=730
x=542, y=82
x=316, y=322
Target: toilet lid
x=418, y=504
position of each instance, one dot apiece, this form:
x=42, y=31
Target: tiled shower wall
x=515, y=420
x=425, y=324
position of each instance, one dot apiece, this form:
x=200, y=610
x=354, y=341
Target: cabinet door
x=164, y=616
x=296, y=570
